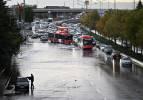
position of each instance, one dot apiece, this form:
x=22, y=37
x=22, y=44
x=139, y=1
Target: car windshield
x=21, y=79
x=126, y=58
x=108, y=47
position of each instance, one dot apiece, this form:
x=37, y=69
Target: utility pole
x=86, y=4
x=24, y=10
x=90, y=3
x=134, y=4
x=100, y=5
x=73, y=3
x=114, y=4
x=108, y=4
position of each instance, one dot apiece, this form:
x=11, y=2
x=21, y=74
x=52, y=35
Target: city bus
x=53, y=37
x=63, y=35
x=85, y=42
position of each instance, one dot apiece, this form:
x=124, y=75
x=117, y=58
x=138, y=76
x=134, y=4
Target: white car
x=126, y=62
x=102, y=47
x=44, y=38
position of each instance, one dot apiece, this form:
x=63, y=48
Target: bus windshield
x=87, y=42
x=68, y=37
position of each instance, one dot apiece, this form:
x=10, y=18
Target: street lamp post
x=86, y=4
x=73, y=3
x=114, y=4
x=24, y=10
x=108, y=4
x=134, y=4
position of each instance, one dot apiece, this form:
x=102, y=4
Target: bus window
x=87, y=42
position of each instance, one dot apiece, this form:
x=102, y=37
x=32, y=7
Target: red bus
x=63, y=35
x=85, y=42
x=53, y=38
x=65, y=38
x=56, y=36
x=60, y=36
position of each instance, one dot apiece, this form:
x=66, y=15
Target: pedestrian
x=32, y=80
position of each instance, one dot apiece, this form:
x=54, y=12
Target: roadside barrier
x=2, y=72
x=135, y=61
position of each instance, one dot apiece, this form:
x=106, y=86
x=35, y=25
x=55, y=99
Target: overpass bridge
x=58, y=13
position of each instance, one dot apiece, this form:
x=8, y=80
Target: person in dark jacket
x=32, y=80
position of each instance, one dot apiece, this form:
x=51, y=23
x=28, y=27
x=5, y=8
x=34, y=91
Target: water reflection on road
x=65, y=72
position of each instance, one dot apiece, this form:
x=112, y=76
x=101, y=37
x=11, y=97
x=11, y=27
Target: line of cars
x=125, y=61
x=65, y=34
x=45, y=32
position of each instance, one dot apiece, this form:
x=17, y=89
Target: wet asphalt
x=65, y=72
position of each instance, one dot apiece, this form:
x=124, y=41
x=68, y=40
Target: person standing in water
x=32, y=80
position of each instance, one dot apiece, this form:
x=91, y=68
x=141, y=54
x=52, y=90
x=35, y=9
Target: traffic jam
x=68, y=34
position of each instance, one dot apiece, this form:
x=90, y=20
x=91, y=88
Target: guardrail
x=5, y=81
x=135, y=61
x=2, y=72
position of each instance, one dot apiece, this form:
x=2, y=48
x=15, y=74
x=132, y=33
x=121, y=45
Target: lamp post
x=73, y=3
x=108, y=4
x=24, y=10
x=134, y=4
x=86, y=4
x=114, y=4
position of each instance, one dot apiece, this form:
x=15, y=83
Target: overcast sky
x=75, y=3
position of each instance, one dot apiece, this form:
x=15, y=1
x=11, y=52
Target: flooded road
x=65, y=72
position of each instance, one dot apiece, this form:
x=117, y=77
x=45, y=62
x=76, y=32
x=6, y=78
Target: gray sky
x=76, y=3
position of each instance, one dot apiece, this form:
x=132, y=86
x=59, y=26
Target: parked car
x=22, y=84
x=44, y=38
x=102, y=47
x=126, y=62
x=35, y=36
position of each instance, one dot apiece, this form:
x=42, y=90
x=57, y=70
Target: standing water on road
x=63, y=72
